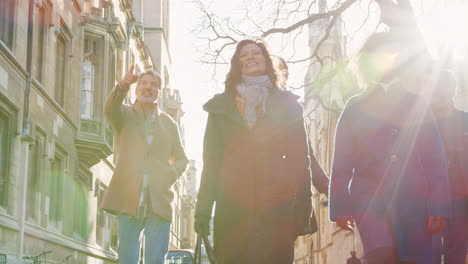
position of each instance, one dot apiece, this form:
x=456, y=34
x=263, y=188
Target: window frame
x=108, y=232
x=34, y=204
x=63, y=33
x=91, y=91
x=81, y=204
x=9, y=113
x=55, y=191
x=99, y=75
x=100, y=190
x=11, y=16
x=41, y=35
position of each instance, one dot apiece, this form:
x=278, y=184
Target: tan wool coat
x=164, y=158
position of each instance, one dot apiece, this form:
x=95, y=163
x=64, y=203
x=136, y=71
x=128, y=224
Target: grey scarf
x=254, y=91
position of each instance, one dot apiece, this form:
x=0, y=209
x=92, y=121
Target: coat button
x=394, y=132
x=393, y=158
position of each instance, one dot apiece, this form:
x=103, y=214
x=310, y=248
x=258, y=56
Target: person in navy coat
x=389, y=174
x=453, y=125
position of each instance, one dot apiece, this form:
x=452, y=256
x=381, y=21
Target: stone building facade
x=56, y=146
x=322, y=106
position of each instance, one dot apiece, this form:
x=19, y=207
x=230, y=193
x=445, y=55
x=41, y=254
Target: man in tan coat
x=149, y=160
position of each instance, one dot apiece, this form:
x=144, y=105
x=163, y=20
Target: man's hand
x=436, y=224
x=345, y=223
x=129, y=78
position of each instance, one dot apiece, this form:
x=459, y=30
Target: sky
x=194, y=79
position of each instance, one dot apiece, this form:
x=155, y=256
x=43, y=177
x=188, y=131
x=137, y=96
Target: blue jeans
x=156, y=230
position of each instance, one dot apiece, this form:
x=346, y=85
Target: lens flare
x=445, y=31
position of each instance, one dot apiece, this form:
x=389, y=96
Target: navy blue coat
x=454, y=131
x=388, y=147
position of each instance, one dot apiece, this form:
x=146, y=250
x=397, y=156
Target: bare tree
x=285, y=20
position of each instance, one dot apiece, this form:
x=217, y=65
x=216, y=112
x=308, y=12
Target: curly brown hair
x=234, y=76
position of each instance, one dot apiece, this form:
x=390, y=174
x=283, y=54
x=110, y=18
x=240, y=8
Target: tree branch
x=310, y=19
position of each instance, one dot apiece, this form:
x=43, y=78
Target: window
x=165, y=14
x=81, y=210
x=62, y=41
x=40, y=35
x=54, y=201
x=120, y=63
x=91, y=79
x=87, y=89
x=112, y=70
x=114, y=232
x=101, y=216
x=166, y=79
x=184, y=225
x=36, y=154
x=7, y=130
x=60, y=66
x=106, y=224
x=7, y=11
x=4, y=159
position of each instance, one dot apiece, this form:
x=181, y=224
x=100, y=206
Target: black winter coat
x=259, y=178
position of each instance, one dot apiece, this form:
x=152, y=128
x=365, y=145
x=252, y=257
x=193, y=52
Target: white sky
x=194, y=79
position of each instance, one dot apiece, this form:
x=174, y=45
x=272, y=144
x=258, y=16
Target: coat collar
x=224, y=104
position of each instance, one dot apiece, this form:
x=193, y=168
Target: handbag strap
x=202, y=238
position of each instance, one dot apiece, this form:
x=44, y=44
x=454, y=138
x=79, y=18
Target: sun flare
x=446, y=31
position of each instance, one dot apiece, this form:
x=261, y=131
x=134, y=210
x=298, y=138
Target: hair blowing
x=234, y=76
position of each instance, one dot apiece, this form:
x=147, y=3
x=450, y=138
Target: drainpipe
x=26, y=130
x=27, y=89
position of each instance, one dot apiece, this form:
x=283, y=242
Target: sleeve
x=300, y=168
x=113, y=109
x=342, y=169
x=435, y=167
x=319, y=179
x=212, y=155
x=178, y=154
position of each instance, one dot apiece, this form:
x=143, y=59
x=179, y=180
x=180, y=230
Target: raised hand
x=129, y=78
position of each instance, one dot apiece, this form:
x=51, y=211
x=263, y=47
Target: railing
x=91, y=127
x=37, y=258
x=94, y=142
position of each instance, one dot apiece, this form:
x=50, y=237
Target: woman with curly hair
x=256, y=165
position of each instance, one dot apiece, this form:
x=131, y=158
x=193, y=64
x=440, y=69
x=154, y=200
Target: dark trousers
x=269, y=239
x=456, y=241
x=387, y=239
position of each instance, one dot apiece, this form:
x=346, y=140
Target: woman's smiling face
x=252, y=61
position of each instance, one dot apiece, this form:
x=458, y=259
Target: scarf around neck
x=254, y=91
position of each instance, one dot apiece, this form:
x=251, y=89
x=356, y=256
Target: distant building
x=322, y=106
